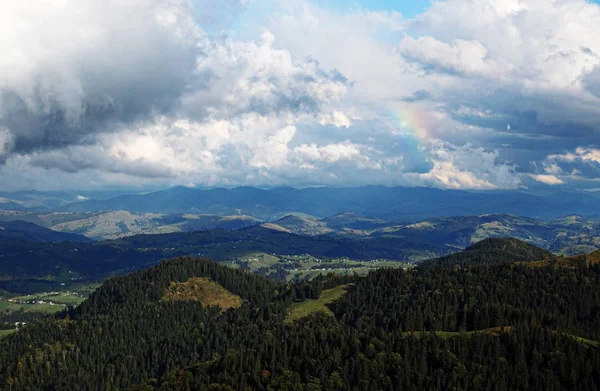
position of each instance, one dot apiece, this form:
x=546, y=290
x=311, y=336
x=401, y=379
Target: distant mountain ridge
x=299, y=225
x=29, y=232
x=117, y=224
x=34, y=200
x=567, y=235
x=390, y=203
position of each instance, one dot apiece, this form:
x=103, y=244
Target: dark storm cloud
x=592, y=81
x=79, y=158
x=93, y=68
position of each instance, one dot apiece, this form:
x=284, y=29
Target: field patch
x=48, y=308
x=569, y=262
x=4, y=333
x=60, y=298
x=204, y=290
x=312, y=306
x=494, y=331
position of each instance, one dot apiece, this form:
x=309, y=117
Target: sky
x=455, y=94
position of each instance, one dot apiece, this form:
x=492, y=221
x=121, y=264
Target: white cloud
x=242, y=77
x=581, y=153
x=528, y=49
x=459, y=56
x=548, y=179
x=468, y=167
x=347, y=42
x=336, y=118
x=329, y=153
x=583, y=163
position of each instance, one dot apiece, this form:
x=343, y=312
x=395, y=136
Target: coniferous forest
x=494, y=325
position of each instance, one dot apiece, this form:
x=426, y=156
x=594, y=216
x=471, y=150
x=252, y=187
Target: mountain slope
x=92, y=261
x=567, y=235
x=573, y=261
x=423, y=329
x=9, y=205
x=492, y=251
x=396, y=203
x=353, y=221
x=20, y=230
x=120, y=223
x=299, y=225
x=113, y=225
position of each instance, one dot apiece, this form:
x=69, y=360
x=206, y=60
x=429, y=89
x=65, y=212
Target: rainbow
x=411, y=121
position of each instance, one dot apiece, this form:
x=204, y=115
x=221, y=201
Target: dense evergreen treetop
x=496, y=326
x=93, y=261
x=493, y=251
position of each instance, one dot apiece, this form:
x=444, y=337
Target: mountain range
x=390, y=203
x=34, y=200
x=567, y=235
x=117, y=224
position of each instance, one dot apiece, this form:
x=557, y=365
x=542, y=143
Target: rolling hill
x=117, y=224
x=300, y=225
x=21, y=230
x=492, y=251
x=34, y=200
x=354, y=222
x=567, y=235
x=67, y=261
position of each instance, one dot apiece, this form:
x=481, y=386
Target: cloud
x=579, y=164
x=336, y=118
x=469, y=167
x=548, y=179
x=147, y=94
x=71, y=68
x=514, y=57
x=243, y=77
x=175, y=91
x=471, y=67
x=6, y=143
x=459, y=57
x=79, y=158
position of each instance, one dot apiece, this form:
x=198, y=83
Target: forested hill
x=492, y=251
x=148, y=286
x=497, y=327
x=21, y=230
x=88, y=261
